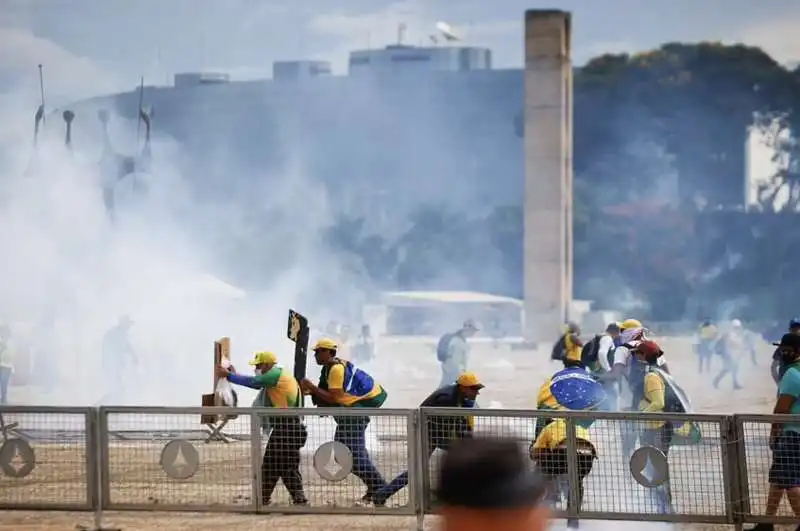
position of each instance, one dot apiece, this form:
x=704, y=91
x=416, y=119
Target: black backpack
x=590, y=352
x=559, y=351
x=443, y=347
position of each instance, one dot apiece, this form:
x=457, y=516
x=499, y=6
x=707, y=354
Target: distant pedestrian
x=118, y=358
x=452, y=351
x=363, y=350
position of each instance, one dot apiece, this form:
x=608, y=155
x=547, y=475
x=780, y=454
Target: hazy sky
x=113, y=42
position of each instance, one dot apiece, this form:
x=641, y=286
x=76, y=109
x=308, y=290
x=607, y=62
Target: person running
x=342, y=384
x=707, y=336
x=452, y=351
x=731, y=347
x=442, y=431
x=277, y=388
x=784, y=438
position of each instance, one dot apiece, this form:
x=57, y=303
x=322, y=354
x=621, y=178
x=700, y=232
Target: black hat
x=613, y=328
x=488, y=474
x=789, y=341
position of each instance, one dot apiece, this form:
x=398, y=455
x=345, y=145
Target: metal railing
x=163, y=459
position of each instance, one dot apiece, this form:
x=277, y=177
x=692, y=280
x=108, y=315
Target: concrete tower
x=548, y=173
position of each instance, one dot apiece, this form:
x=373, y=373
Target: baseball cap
x=790, y=341
x=483, y=473
x=613, y=328
x=325, y=343
x=469, y=324
x=469, y=379
x=260, y=358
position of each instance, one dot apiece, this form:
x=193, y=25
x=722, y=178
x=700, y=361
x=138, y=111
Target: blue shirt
x=790, y=385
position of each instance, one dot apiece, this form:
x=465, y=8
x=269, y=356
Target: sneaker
x=573, y=523
x=300, y=501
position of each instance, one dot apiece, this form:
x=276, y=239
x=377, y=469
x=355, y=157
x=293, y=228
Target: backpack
x=443, y=347
x=559, y=351
x=590, y=352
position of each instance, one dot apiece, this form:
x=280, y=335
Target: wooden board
x=222, y=351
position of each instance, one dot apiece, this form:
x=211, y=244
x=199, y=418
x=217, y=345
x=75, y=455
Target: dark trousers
x=351, y=432
x=5, y=380
x=282, y=460
x=435, y=440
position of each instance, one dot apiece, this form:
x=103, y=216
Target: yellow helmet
x=325, y=343
x=627, y=324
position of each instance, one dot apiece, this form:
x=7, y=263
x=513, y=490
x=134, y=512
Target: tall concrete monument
x=548, y=173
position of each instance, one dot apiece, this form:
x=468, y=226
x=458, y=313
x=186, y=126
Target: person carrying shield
x=550, y=451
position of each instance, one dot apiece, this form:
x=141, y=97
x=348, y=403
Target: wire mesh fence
x=770, y=467
x=601, y=468
x=45, y=458
x=658, y=467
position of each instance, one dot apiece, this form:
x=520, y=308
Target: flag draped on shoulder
x=575, y=389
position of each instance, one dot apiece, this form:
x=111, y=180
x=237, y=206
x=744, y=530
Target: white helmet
x=736, y=323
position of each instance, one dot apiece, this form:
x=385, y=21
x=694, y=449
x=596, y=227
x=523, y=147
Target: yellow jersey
x=554, y=435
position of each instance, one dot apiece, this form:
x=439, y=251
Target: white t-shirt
x=605, y=346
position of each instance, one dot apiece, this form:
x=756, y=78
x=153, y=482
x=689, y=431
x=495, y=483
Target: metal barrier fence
x=161, y=459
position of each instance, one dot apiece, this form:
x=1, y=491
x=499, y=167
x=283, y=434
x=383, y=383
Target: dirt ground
x=409, y=372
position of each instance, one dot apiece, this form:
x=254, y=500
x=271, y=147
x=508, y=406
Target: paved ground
x=409, y=372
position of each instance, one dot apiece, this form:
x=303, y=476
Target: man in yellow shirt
x=650, y=390
x=549, y=451
x=707, y=336
x=342, y=384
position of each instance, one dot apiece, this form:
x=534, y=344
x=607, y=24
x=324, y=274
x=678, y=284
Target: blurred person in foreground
x=277, y=388
x=7, y=358
x=568, y=348
x=778, y=367
x=707, y=336
x=731, y=348
x=784, y=438
x=452, y=351
x=342, y=384
x=486, y=484
x=654, y=391
x=549, y=450
x=118, y=358
x=444, y=430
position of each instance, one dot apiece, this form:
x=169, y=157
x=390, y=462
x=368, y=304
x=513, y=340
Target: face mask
x=257, y=371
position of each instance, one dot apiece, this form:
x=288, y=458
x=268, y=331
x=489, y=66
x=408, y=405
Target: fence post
x=416, y=459
x=255, y=458
x=100, y=436
x=574, y=495
x=737, y=463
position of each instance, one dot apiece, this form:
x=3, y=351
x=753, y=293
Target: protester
x=777, y=368
x=707, y=336
x=569, y=347
x=7, y=356
x=277, y=388
x=731, y=348
x=118, y=359
x=342, y=384
x=784, y=438
x=364, y=348
x=486, y=484
x=452, y=351
x=443, y=430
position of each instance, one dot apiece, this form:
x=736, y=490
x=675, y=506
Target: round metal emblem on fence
x=180, y=459
x=333, y=461
x=649, y=466
x=17, y=458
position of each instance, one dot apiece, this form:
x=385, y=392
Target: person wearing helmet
x=730, y=348
x=277, y=388
x=778, y=368
x=452, y=351
x=650, y=396
x=442, y=430
x=569, y=346
x=342, y=384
